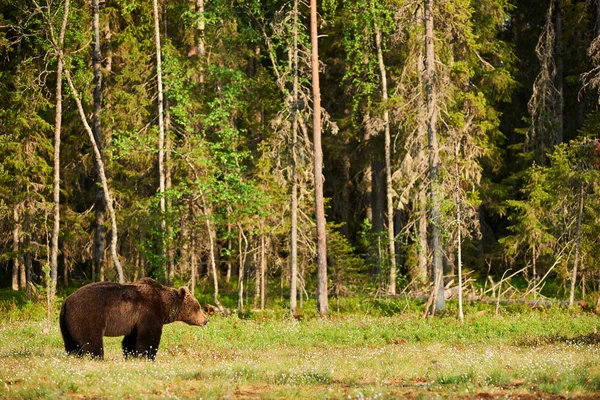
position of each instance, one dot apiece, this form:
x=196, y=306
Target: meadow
x=366, y=348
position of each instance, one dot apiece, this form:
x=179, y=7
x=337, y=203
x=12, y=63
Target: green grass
x=364, y=351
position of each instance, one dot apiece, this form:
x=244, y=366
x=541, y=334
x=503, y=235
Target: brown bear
x=137, y=311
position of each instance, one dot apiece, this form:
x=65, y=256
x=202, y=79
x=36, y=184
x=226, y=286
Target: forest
x=269, y=150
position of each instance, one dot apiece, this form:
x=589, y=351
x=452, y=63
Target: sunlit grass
x=541, y=353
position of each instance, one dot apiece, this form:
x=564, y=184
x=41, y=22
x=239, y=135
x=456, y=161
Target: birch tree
x=161, y=132
x=57, y=131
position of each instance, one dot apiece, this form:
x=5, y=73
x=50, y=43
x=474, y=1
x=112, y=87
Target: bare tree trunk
x=27, y=245
x=263, y=270
x=577, y=246
x=100, y=202
x=213, y=263
x=432, y=114
x=242, y=262
x=15, y=248
x=201, y=26
x=257, y=275
x=170, y=251
x=422, y=246
x=229, y=244
x=534, y=267
x=461, y=315
x=388, y=162
x=19, y=248
x=192, y=250
x=559, y=79
x=322, y=300
x=294, y=211
x=597, y=18
x=161, y=133
x=66, y=264
x=57, y=129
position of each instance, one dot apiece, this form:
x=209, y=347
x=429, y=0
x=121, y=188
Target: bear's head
x=190, y=312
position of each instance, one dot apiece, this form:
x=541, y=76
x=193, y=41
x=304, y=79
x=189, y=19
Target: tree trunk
x=422, y=273
x=100, y=163
x=192, y=250
x=388, y=162
x=211, y=233
x=432, y=114
x=15, y=248
x=263, y=270
x=229, y=261
x=577, y=245
x=57, y=129
x=559, y=79
x=161, y=135
x=27, y=246
x=461, y=315
x=294, y=178
x=201, y=26
x=534, y=257
x=99, y=203
x=242, y=262
x=322, y=300
x=597, y=30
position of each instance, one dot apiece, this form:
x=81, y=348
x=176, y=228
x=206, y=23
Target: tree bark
x=100, y=203
x=432, y=115
x=322, y=300
x=15, y=248
x=461, y=315
x=559, y=79
x=193, y=257
x=242, y=262
x=57, y=129
x=597, y=18
x=294, y=178
x=100, y=163
x=577, y=245
x=263, y=270
x=388, y=161
x=161, y=134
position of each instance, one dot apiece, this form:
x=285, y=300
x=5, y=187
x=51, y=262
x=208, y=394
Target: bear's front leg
x=147, y=341
x=129, y=343
x=94, y=347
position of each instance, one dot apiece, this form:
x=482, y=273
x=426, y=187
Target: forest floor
x=518, y=354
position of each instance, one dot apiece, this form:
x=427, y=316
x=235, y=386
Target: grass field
x=370, y=354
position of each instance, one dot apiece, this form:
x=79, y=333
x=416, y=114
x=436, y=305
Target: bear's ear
x=183, y=291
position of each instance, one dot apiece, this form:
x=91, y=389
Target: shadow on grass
x=590, y=339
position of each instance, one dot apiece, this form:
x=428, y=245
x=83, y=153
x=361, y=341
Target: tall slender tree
x=100, y=202
x=432, y=117
x=387, y=156
x=294, y=177
x=161, y=131
x=57, y=131
x=322, y=299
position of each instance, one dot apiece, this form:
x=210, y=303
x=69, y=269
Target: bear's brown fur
x=137, y=311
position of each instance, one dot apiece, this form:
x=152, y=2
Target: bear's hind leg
x=129, y=344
